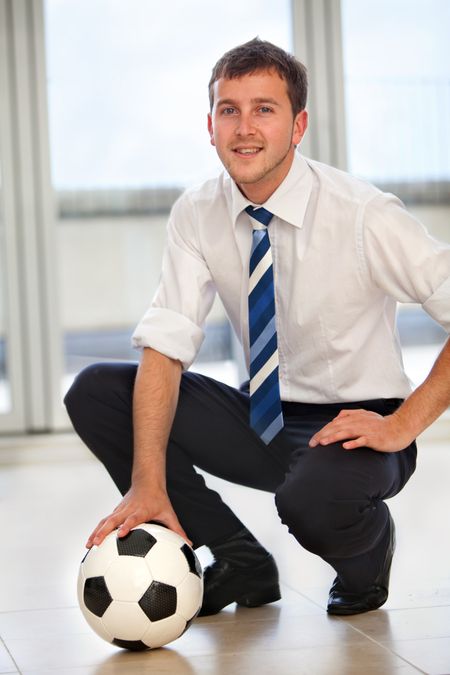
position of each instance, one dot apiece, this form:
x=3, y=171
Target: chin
x=246, y=177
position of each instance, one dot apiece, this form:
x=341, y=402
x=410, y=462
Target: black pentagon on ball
x=193, y=562
x=159, y=601
x=137, y=543
x=134, y=645
x=96, y=595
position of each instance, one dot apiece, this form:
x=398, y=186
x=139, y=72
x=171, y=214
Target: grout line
x=2, y=642
x=303, y=595
x=380, y=644
x=37, y=609
x=361, y=632
x=391, y=609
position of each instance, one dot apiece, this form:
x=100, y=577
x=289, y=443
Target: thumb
x=174, y=524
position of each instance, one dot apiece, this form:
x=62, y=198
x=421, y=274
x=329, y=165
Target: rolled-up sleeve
x=173, y=324
x=404, y=260
x=438, y=305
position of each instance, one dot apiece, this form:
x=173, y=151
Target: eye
x=228, y=111
x=265, y=109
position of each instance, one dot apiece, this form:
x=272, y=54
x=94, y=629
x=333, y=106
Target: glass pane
x=5, y=393
x=127, y=85
x=397, y=94
x=128, y=106
x=397, y=85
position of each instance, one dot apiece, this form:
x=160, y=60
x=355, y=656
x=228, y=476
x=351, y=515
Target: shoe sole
x=348, y=611
x=252, y=598
x=260, y=597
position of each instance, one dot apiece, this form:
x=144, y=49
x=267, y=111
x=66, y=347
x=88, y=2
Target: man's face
x=254, y=131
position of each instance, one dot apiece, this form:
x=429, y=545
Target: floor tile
x=6, y=662
x=204, y=637
x=53, y=653
x=245, y=651
x=432, y=656
x=50, y=623
x=404, y=624
x=280, y=632
x=337, y=660
x=53, y=494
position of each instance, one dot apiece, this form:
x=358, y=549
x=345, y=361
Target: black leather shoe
x=250, y=586
x=343, y=602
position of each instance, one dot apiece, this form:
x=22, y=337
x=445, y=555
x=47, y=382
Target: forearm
x=154, y=404
x=430, y=399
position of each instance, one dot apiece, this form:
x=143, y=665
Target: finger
x=109, y=525
x=179, y=530
x=322, y=433
x=93, y=534
x=173, y=524
x=133, y=520
x=332, y=434
x=347, y=435
x=346, y=412
x=360, y=442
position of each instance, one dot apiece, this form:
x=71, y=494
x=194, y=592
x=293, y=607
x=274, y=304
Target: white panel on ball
x=161, y=632
x=97, y=625
x=99, y=557
x=125, y=620
x=163, y=533
x=189, y=596
x=167, y=563
x=80, y=586
x=128, y=578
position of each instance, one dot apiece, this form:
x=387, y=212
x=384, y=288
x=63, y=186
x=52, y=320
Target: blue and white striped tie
x=266, y=416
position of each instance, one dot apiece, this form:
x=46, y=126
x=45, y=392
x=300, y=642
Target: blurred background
x=103, y=108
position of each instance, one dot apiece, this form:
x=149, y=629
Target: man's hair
x=257, y=55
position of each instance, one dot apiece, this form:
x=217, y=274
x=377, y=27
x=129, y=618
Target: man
x=309, y=263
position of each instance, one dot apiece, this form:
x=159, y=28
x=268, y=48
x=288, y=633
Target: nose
x=246, y=125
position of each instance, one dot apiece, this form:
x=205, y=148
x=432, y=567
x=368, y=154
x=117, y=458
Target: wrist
x=144, y=481
x=405, y=425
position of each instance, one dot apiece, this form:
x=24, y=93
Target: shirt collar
x=290, y=199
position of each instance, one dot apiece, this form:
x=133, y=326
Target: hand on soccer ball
x=140, y=505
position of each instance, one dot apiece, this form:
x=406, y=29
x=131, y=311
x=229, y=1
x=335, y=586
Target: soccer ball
x=143, y=590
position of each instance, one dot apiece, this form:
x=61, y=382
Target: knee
x=97, y=384
x=308, y=508
x=85, y=383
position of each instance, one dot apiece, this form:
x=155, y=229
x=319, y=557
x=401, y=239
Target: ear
x=300, y=126
x=210, y=129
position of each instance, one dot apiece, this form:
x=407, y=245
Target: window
x=128, y=103
x=127, y=85
x=397, y=85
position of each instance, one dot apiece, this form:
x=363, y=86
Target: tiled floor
x=52, y=493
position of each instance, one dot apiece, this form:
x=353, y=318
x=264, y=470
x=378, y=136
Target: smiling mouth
x=246, y=152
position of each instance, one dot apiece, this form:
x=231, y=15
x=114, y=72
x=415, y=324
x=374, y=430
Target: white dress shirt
x=343, y=253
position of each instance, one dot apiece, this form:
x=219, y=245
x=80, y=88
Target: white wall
x=436, y=219
x=109, y=269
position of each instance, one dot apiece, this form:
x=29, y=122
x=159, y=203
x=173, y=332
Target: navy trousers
x=331, y=499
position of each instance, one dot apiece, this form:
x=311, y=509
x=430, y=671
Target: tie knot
x=260, y=214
